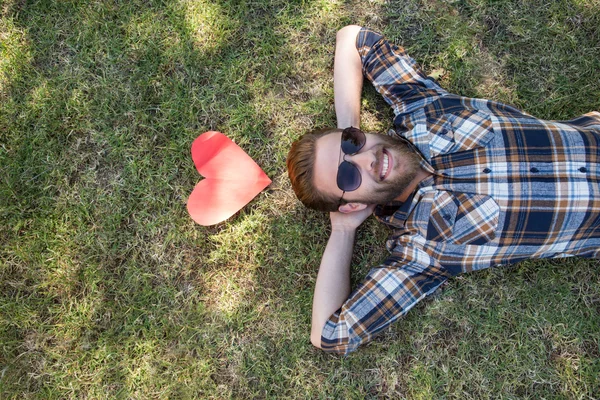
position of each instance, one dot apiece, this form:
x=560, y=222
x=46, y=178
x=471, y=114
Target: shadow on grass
x=100, y=117
x=108, y=288
x=537, y=57
x=103, y=266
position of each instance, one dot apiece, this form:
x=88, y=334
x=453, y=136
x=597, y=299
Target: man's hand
x=350, y=220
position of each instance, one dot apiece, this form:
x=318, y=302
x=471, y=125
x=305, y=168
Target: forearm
x=347, y=78
x=333, y=280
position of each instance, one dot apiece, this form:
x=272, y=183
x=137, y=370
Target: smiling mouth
x=385, y=165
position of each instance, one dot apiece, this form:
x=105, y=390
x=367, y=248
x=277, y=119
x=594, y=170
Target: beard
x=391, y=188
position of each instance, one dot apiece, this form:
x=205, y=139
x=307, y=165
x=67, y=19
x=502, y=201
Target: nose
x=365, y=160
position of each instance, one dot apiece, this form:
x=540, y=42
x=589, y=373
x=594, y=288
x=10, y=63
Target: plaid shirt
x=505, y=187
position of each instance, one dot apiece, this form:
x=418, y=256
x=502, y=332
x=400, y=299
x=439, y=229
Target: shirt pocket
x=459, y=131
x=462, y=218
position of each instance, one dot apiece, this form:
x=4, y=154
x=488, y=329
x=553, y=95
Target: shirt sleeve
x=395, y=75
x=387, y=293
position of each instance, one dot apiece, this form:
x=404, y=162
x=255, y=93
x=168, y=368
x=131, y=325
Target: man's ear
x=351, y=207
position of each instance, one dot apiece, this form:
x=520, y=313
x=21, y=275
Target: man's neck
x=421, y=174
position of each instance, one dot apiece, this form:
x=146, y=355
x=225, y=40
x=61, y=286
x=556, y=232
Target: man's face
x=379, y=184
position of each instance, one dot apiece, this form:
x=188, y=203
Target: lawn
x=109, y=290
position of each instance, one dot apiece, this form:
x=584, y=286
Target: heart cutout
x=231, y=179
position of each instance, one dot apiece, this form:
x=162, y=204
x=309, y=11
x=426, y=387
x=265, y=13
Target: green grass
x=109, y=290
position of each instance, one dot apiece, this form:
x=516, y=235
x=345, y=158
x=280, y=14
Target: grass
x=109, y=290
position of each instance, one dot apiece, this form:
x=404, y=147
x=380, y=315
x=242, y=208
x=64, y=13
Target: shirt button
x=447, y=217
x=487, y=171
x=444, y=131
x=534, y=169
x=583, y=169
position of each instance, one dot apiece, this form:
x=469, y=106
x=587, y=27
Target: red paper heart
x=231, y=179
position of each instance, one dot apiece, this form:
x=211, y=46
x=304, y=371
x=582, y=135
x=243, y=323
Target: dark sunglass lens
x=353, y=139
x=348, y=177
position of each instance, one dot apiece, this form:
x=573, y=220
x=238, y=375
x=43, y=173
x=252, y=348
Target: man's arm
x=342, y=321
x=347, y=78
x=409, y=274
x=333, y=281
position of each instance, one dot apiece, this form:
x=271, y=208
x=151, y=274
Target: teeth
x=385, y=165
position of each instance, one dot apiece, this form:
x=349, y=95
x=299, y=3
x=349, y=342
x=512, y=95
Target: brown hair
x=300, y=165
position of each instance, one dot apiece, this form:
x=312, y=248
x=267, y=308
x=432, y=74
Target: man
x=465, y=184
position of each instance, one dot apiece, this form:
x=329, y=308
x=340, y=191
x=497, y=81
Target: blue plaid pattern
x=505, y=187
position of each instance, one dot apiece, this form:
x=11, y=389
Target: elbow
x=316, y=343
x=339, y=350
x=333, y=346
x=315, y=339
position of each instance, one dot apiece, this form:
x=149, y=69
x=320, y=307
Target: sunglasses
x=348, y=176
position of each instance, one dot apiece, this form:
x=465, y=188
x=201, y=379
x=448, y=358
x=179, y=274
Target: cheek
x=369, y=188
